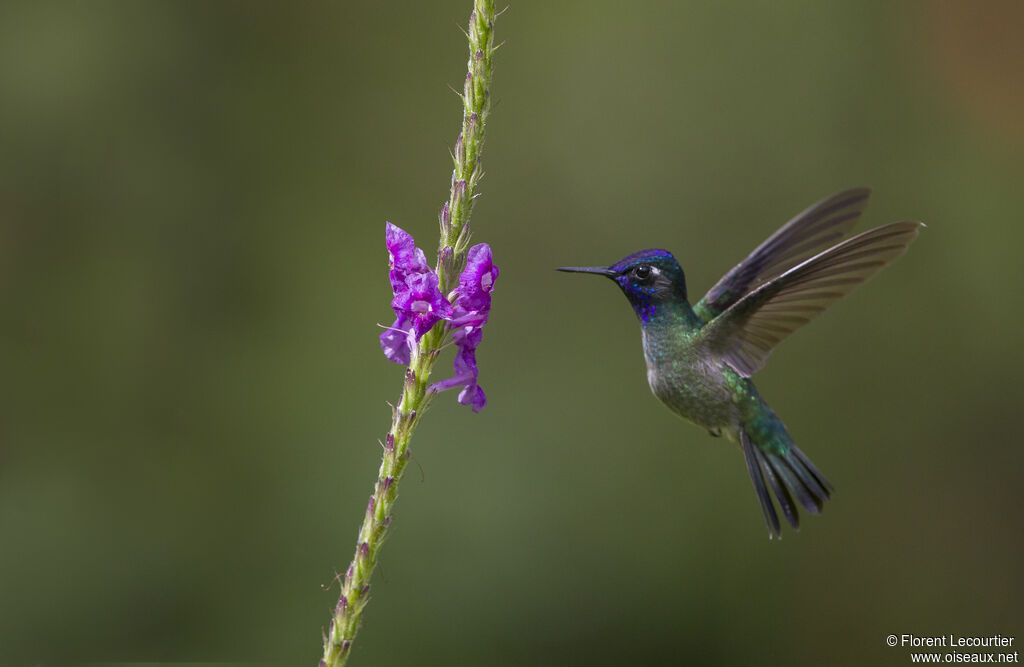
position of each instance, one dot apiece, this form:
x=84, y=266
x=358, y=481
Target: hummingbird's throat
x=663, y=312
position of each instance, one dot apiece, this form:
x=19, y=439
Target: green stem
x=476, y=106
x=454, y=241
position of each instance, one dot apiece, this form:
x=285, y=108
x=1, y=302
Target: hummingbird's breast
x=692, y=384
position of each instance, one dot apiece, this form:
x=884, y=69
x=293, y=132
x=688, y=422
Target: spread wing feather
x=745, y=334
x=821, y=225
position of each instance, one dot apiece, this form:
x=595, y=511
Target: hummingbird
x=700, y=357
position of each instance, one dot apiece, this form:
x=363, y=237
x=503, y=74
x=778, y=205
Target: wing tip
x=856, y=191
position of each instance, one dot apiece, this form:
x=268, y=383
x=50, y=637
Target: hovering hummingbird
x=700, y=358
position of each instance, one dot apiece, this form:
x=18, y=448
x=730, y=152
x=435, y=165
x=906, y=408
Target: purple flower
x=421, y=302
x=395, y=341
x=472, y=306
x=404, y=257
x=418, y=302
x=466, y=372
x=477, y=281
x=419, y=305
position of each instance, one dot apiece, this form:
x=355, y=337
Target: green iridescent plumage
x=700, y=358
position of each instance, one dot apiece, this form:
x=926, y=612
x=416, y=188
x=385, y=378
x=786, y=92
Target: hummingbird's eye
x=642, y=272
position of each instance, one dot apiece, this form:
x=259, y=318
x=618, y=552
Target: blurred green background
x=192, y=269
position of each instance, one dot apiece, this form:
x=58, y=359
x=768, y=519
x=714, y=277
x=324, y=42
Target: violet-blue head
x=651, y=279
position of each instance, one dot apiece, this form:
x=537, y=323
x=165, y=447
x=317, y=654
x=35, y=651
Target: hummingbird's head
x=648, y=278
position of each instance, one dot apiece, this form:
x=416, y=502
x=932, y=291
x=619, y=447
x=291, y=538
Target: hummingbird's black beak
x=600, y=270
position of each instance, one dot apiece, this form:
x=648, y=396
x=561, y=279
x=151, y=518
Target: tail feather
x=810, y=502
x=773, y=473
x=770, y=517
x=789, y=474
x=809, y=473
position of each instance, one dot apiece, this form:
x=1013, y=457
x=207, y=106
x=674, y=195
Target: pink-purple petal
x=473, y=396
x=405, y=259
x=477, y=279
x=395, y=341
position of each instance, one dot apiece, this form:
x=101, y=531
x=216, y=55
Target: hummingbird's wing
x=747, y=332
x=821, y=225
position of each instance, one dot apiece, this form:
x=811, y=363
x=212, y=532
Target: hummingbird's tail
x=789, y=473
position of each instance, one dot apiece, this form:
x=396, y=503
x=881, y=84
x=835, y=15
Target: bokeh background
x=192, y=269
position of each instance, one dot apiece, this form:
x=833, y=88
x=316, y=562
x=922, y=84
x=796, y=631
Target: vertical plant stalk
x=454, y=241
x=476, y=106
